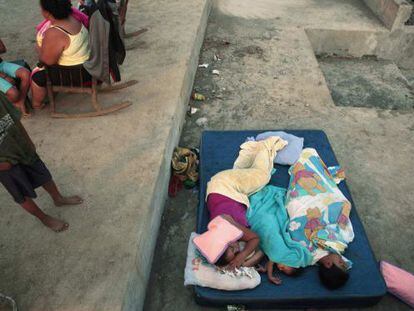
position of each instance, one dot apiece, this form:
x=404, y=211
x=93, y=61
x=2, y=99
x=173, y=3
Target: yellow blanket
x=251, y=171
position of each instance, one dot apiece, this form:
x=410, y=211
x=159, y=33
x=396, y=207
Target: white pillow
x=199, y=272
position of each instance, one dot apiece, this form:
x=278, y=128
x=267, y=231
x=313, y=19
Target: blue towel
x=268, y=218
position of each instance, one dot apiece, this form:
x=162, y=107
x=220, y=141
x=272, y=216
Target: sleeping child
x=253, y=258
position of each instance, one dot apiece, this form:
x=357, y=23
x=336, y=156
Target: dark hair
x=60, y=9
x=222, y=261
x=333, y=277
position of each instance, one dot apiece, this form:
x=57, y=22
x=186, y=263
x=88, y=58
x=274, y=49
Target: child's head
x=333, y=271
x=291, y=271
x=232, y=250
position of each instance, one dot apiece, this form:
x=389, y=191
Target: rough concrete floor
x=118, y=163
x=349, y=14
x=367, y=82
x=269, y=78
x=411, y=19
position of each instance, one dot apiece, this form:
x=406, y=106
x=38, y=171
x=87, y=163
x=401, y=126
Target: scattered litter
x=184, y=216
x=198, y=96
x=184, y=164
x=191, y=111
x=215, y=72
x=267, y=35
x=202, y=122
x=203, y=65
x=306, y=105
x=216, y=57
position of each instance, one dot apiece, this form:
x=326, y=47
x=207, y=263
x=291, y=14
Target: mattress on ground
x=365, y=287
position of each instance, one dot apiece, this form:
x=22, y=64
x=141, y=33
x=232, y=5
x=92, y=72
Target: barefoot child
x=9, y=72
x=22, y=171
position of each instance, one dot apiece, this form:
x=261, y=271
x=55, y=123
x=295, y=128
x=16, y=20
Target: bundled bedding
x=318, y=210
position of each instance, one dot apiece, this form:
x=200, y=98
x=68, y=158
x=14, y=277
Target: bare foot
x=22, y=107
x=38, y=106
x=74, y=200
x=55, y=224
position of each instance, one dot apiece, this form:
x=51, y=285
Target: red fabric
x=218, y=204
x=174, y=186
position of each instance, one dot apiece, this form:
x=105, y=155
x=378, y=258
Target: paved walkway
x=118, y=163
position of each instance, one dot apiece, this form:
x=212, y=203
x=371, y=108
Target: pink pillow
x=214, y=242
x=399, y=282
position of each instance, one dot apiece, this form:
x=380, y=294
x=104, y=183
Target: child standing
x=22, y=170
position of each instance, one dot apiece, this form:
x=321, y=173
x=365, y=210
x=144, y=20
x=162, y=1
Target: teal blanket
x=268, y=218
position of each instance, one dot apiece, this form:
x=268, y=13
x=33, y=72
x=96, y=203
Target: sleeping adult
x=228, y=194
x=64, y=43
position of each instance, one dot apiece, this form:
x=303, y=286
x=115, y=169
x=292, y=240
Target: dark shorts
x=63, y=75
x=22, y=180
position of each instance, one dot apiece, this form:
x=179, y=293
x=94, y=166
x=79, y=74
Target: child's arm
x=2, y=47
x=271, y=277
x=254, y=260
x=5, y=166
x=251, y=239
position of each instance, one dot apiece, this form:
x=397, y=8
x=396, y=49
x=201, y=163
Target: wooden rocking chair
x=75, y=79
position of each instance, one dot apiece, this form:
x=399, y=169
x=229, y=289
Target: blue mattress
x=365, y=287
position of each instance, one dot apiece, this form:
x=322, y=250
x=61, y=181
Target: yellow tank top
x=78, y=50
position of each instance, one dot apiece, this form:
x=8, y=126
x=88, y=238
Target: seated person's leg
x=38, y=87
x=24, y=76
x=9, y=90
x=17, y=72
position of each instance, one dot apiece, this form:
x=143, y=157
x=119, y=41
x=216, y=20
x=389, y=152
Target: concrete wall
x=393, y=13
x=397, y=46
x=136, y=288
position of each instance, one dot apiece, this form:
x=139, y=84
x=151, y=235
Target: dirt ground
x=261, y=86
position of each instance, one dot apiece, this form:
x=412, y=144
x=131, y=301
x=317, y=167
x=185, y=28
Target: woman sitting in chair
x=64, y=43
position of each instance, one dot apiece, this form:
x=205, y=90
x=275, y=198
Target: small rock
x=202, y=122
x=203, y=65
x=184, y=216
x=215, y=72
x=267, y=35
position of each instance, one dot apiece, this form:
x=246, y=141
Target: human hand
x=275, y=280
x=260, y=268
x=235, y=263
